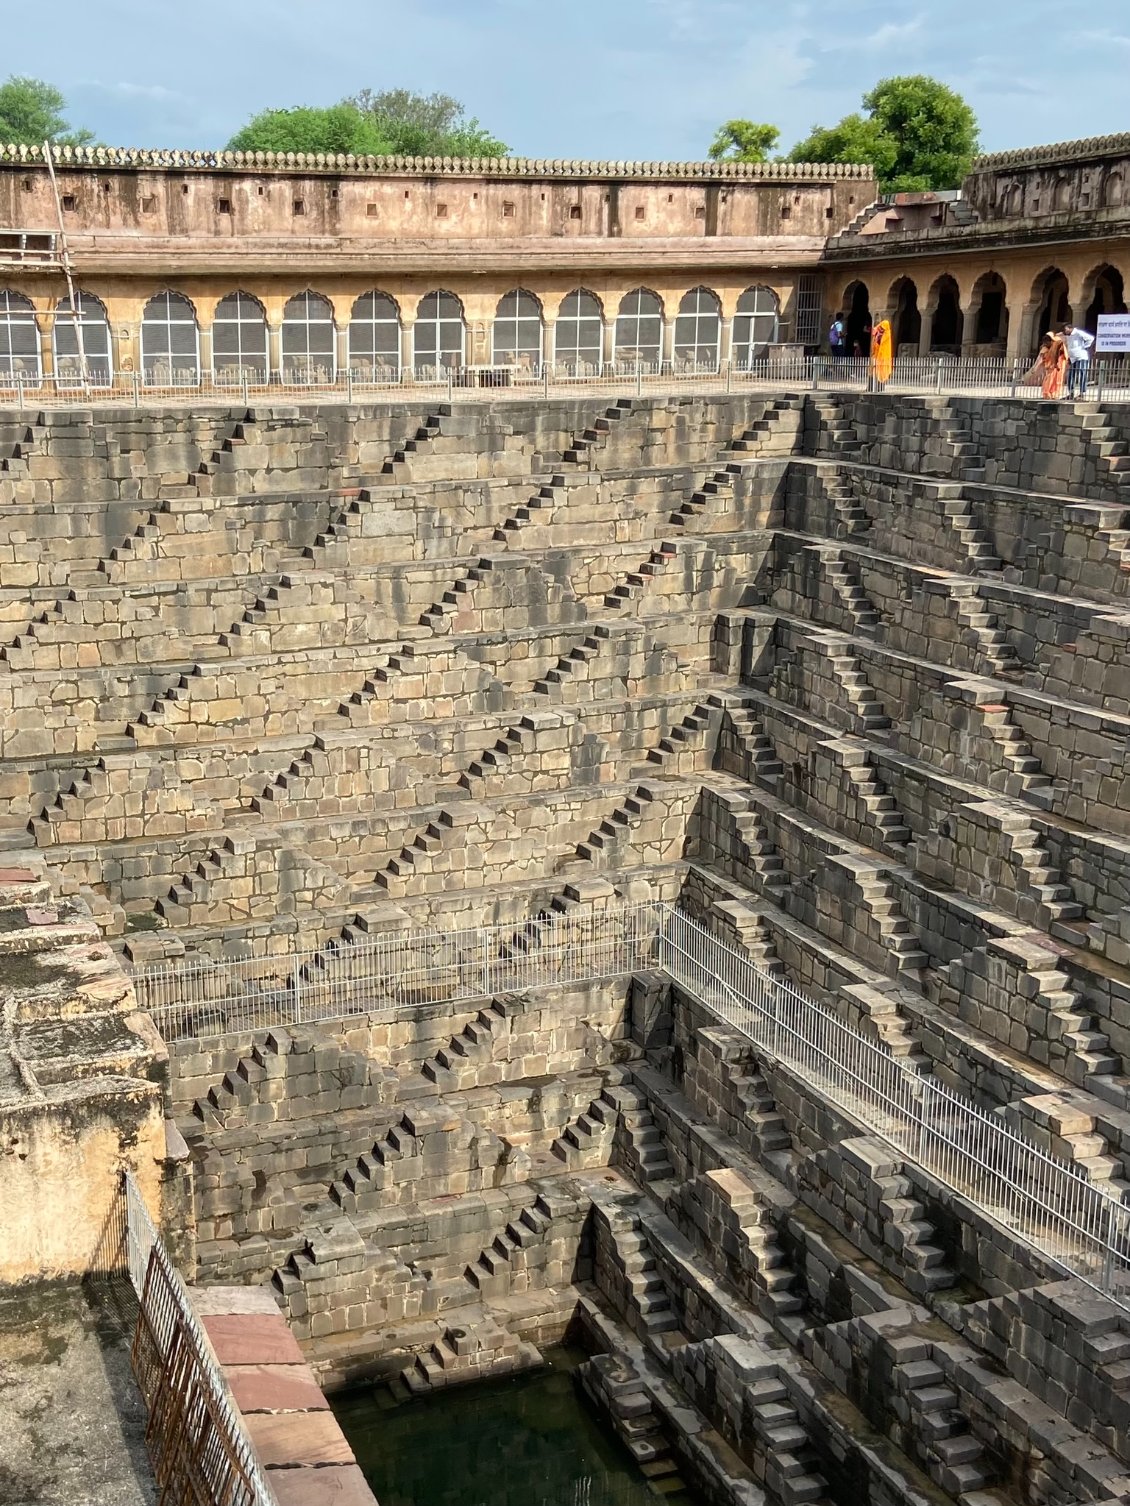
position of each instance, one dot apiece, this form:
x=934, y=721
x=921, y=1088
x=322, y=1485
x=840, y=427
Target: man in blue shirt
x=1078, y=343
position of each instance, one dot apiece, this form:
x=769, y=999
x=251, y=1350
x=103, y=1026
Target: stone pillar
x=609, y=340
x=725, y=341
x=274, y=349
x=667, y=347
x=45, y=324
x=204, y=349
x=926, y=331
x=549, y=342
x=969, y=313
x=407, y=341
x=341, y=351
x=1022, y=336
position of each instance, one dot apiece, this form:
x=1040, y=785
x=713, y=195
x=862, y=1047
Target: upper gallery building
x=220, y=267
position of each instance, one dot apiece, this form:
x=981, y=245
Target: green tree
x=336, y=128
x=31, y=112
x=395, y=123
x=917, y=134
x=743, y=141
x=427, y=125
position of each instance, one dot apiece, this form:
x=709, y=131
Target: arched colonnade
x=989, y=313
x=311, y=337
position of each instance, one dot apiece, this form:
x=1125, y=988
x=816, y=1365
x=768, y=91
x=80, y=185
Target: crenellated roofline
x=138, y=159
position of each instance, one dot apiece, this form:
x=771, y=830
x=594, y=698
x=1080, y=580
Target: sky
x=618, y=79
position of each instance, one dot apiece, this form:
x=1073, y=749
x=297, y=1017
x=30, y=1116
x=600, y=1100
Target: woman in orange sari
x=1053, y=363
x=882, y=353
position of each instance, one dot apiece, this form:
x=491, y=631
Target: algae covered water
x=526, y=1440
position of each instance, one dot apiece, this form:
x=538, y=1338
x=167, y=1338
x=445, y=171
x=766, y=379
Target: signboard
x=1113, y=332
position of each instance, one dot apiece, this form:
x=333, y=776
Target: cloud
x=141, y=91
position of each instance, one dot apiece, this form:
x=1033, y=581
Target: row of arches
x=943, y=324
x=308, y=350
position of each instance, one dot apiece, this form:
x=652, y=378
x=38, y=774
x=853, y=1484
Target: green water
x=528, y=1440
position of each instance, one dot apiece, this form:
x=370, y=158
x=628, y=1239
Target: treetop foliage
x=743, y=141
x=391, y=123
x=917, y=133
x=31, y=112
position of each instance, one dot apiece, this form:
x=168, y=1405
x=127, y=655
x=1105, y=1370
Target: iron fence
x=976, y=376
x=1048, y=1203
x=200, y=1452
x=206, y=997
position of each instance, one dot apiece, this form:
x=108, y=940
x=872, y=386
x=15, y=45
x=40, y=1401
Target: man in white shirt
x=1078, y=343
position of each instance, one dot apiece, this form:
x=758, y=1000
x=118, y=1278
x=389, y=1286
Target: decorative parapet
x=101, y=157
x=1060, y=151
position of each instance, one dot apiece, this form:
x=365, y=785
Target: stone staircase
x=954, y=1457
x=396, y=467
x=1105, y=442
x=680, y=751
x=566, y=672
x=835, y=428
x=239, y=1086
x=546, y=498
x=863, y=705
x=580, y=451
x=879, y=901
x=851, y=518
x=752, y=440
x=1042, y=898
x=602, y=842
x=632, y=587
x=500, y=1268
x=979, y=628
x=1022, y=776
x=792, y=1475
x=907, y=1231
x=440, y=617
x=467, y=1352
x=642, y=1139
x=468, y=1057
x=881, y=812
x=588, y=1140
x=974, y=546
x=649, y=1313
x=842, y=574
x=758, y=750
x=720, y=484
x=616, y=1390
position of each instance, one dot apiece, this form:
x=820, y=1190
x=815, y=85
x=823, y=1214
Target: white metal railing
x=205, y=997
x=976, y=376
x=1049, y=1203
x=194, y=1429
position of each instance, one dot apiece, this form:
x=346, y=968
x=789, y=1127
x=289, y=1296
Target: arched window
x=1011, y=196
x=440, y=335
x=698, y=329
x=94, y=351
x=170, y=344
x=1060, y=195
x=239, y=341
x=579, y=333
x=639, y=328
x=517, y=334
x=1113, y=189
x=755, y=325
x=374, y=338
x=19, y=338
x=309, y=340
